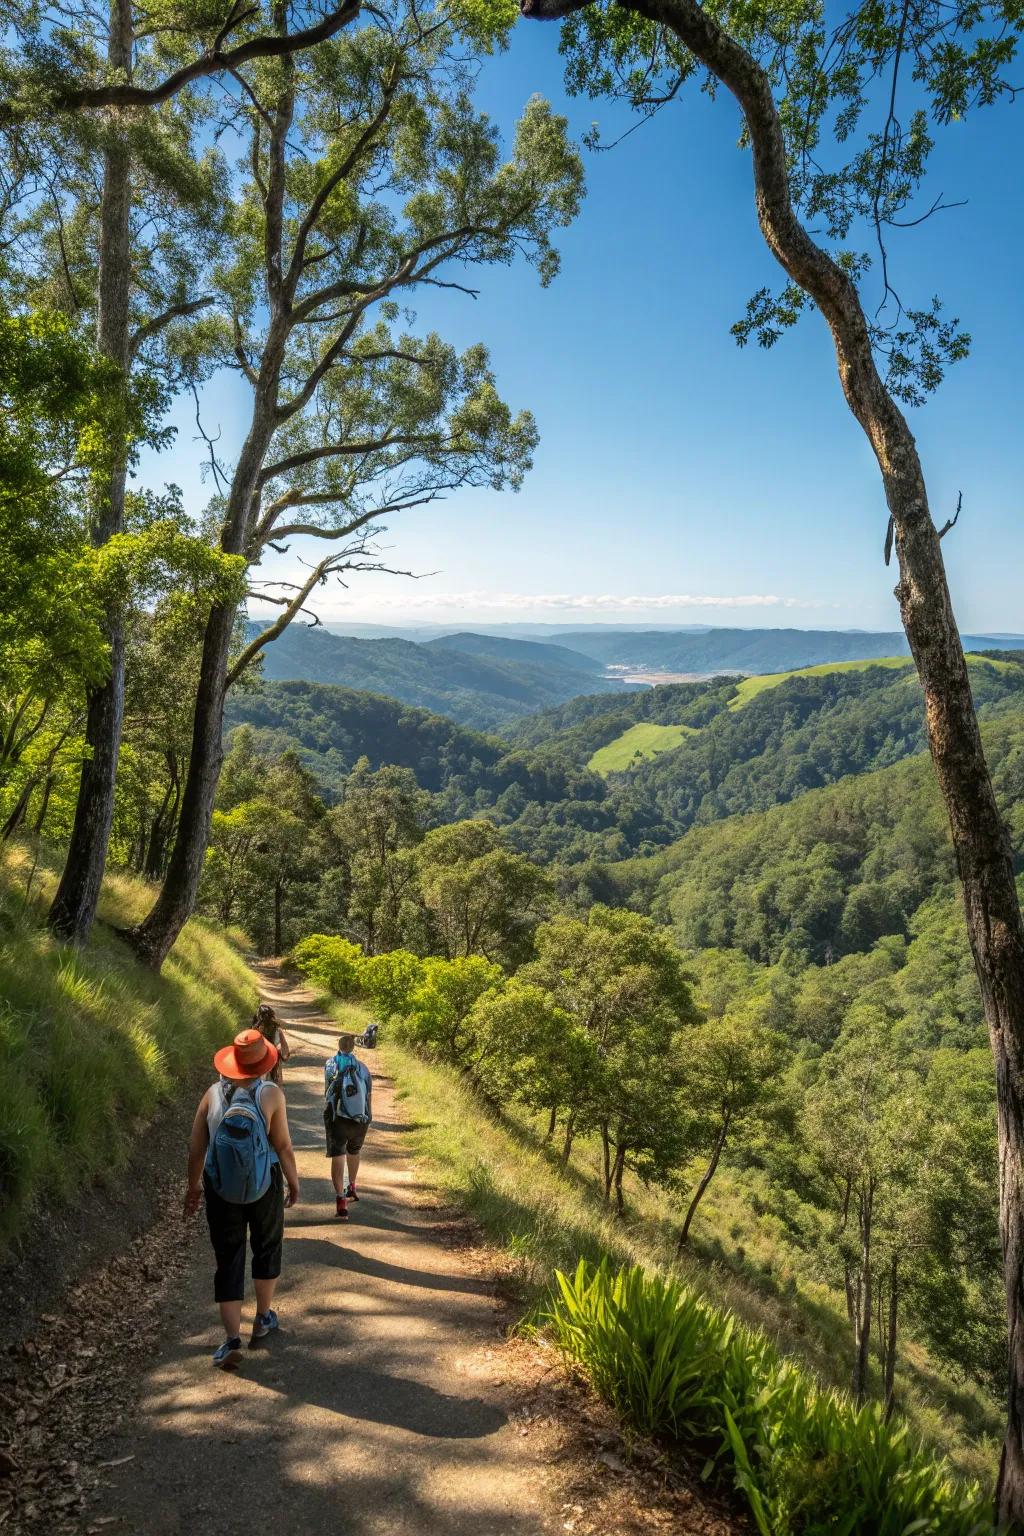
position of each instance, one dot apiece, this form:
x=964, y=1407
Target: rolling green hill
x=332, y=727
x=641, y=741
x=827, y=874
x=483, y=691
x=749, y=687
x=808, y=731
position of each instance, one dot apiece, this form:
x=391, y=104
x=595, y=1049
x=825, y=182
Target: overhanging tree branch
x=175, y=312
x=68, y=97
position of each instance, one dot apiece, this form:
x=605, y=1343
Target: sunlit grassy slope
x=640, y=741
x=91, y=1042
x=499, y=1169
x=750, y=687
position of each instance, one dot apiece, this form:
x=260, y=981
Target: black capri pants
x=228, y=1223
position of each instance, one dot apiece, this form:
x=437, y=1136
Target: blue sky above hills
x=678, y=476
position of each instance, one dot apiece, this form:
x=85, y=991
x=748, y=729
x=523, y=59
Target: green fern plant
x=807, y=1461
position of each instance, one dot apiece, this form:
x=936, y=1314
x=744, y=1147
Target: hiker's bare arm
x=198, y=1142
x=281, y=1141
x=282, y=1044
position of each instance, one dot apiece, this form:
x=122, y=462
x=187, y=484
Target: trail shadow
x=292, y=1498
x=375, y=1396
x=319, y=1249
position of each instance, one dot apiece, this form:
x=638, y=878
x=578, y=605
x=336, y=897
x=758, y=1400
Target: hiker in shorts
x=237, y=1151
x=348, y=1090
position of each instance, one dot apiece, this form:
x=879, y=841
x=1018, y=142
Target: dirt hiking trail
x=379, y=1408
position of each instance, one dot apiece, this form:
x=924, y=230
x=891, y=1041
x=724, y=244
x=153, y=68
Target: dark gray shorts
x=343, y=1135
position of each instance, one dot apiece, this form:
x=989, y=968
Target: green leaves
x=859, y=94
x=806, y=1461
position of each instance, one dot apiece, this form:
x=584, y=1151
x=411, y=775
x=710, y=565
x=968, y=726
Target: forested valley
x=736, y=961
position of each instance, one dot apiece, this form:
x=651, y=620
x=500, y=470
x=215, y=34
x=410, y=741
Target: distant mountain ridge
x=485, y=688
x=688, y=649
x=501, y=648
x=748, y=650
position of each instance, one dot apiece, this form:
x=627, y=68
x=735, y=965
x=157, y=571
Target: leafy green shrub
x=808, y=1461
x=388, y=981
x=438, y=1018
x=330, y=963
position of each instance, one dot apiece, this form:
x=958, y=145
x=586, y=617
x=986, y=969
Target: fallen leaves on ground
x=70, y=1384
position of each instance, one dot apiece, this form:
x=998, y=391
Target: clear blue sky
x=671, y=461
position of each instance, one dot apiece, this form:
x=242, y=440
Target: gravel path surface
x=377, y=1410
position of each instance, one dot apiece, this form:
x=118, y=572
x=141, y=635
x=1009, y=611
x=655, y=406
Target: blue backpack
x=239, y=1161
x=346, y=1092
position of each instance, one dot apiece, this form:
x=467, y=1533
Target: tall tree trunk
x=889, y=1369
x=570, y=1135
x=552, y=1122
x=18, y=811
x=617, y=1171
x=156, y=848
x=74, y=906
x=994, y=924
x=705, y=1179
x=153, y=938
x=277, y=917
x=863, y=1317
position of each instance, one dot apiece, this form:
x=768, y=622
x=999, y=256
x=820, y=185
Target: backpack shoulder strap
x=257, y=1098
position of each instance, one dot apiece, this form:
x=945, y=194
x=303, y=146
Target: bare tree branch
x=952, y=521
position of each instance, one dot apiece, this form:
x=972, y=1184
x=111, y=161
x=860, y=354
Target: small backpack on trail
x=346, y=1093
x=239, y=1161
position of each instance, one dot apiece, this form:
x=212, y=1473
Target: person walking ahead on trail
x=348, y=1089
x=236, y=1153
x=269, y=1026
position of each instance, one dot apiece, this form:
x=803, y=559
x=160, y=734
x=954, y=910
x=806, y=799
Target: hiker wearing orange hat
x=236, y=1153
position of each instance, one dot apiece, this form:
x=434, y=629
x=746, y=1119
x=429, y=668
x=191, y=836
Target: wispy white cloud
x=584, y=602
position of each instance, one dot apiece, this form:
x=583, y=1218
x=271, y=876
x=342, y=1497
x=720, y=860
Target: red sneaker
x=341, y=1208
x=350, y=1193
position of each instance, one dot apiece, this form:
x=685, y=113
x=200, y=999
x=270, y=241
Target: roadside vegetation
x=480, y=1119
x=496, y=1166
x=91, y=1042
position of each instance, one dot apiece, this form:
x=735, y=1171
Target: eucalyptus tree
x=800, y=78
x=116, y=217
x=481, y=898
x=99, y=106
x=61, y=67
x=624, y=985
x=367, y=175
x=732, y=1071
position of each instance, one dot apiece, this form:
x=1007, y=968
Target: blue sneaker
x=229, y=1353
x=265, y=1323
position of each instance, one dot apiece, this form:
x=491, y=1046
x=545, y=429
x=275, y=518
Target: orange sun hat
x=250, y=1055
